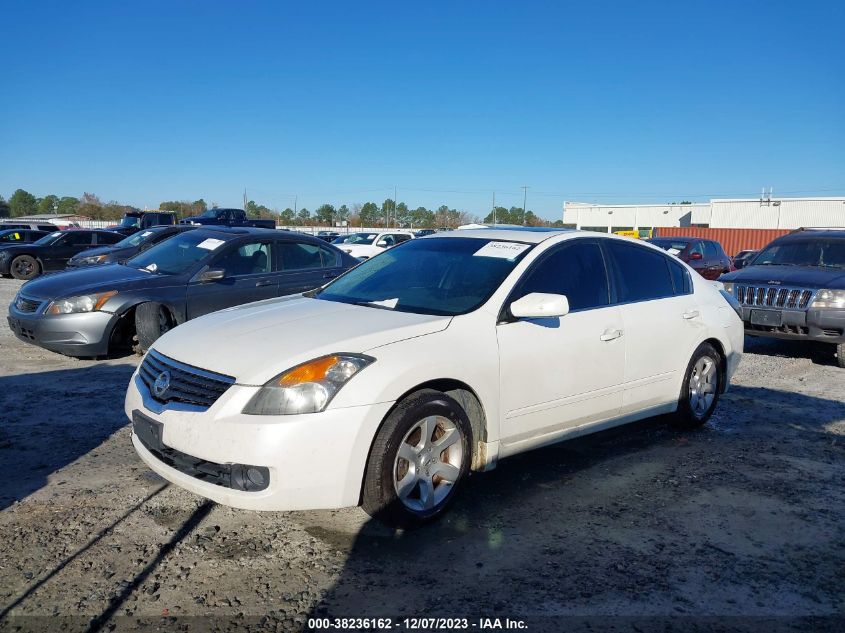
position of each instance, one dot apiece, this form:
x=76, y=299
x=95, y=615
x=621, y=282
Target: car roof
x=813, y=233
x=681, y=238
x=529, y=234
x=245, y=231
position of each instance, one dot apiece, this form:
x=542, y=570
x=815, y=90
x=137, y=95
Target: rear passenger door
x=304, y=266
x=655, y=295
x=249, y=276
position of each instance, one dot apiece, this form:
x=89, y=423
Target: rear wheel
x=840, y=355
x=700, y=390
x=419, y=459
x=152, y=320
x=25, y=267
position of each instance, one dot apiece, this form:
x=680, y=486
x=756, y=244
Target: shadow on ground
x=50, y=419
x=735, y=520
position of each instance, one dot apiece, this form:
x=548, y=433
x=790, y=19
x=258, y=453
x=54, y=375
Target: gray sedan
x=94, y=310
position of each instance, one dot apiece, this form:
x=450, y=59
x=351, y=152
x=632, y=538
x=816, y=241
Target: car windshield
x=131, y=222
x=49, y=239
x=178, y=254
x=673, y=247
x=356, y=238
x=136, y=239
x=826, y=253
x=444, y=276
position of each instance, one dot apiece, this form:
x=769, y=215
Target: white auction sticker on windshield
x=210, y=244
x=146, y=233
x=674, y=251
x=502, y=250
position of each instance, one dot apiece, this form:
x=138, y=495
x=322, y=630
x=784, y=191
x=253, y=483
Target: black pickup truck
x=227, y=217
x=134, y=221
x=795, y=289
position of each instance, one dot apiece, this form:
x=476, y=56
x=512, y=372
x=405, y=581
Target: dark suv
x=707, y=257
x=795, y=288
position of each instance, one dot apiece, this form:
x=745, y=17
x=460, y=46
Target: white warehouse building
x=767, y=213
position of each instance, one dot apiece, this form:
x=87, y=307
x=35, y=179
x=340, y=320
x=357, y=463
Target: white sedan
x=386, y=387
x=368, y=244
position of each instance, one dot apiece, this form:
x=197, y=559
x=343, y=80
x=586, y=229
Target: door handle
x=691, y=314
x=263, y=282
x=609, y=335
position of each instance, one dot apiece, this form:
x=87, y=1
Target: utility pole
x=394, y=205
x=524, y=202
x=244, y=199
x=494, y=207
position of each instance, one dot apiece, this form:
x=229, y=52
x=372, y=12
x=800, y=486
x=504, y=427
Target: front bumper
x=84, y=334
x=315, y=461
x=827, y=325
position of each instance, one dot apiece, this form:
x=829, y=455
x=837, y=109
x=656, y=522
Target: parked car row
x=177, y=274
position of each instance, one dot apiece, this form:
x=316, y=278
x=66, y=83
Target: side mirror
x=695, y=256
x=382, y=243
x=213, y=274
x=540, y=305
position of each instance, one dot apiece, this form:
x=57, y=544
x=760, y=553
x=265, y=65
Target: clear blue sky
x=338, y=102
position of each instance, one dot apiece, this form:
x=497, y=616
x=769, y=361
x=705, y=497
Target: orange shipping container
x=732, y=240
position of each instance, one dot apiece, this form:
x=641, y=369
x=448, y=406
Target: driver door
x=249, y=276
x=560, y=373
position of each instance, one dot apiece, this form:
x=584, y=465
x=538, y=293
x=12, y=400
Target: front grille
x=25, y=305
x=187, y=384
x=773, y=297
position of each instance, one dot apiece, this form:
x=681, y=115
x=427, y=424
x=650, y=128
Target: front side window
x=252, y=258
x=443, y=276
x=641, y=274
x=576, y=270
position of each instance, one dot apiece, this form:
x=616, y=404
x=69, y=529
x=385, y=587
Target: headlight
x=82, y=303
x=729, y=286
x=93, y=259
x=307, y=388
x=829, y=299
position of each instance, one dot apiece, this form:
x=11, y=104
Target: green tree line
x=368, y=214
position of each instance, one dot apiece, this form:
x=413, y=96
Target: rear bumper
x=85, y=334
x=827, y=326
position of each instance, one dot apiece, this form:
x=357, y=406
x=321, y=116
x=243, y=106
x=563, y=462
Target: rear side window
x=108, y=238
x=330, y=257
x=641, y=274
x=252, y=258
x=710, y=249
x=299, y=256
x=575, y=270
x=76, y=238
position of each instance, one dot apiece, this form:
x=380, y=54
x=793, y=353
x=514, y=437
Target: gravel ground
x=744, y=517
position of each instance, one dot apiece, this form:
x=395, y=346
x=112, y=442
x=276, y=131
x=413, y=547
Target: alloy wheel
x=428, y=463
x=702, y=386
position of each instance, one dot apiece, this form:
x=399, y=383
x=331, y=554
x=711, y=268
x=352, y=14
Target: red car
x=707, y=257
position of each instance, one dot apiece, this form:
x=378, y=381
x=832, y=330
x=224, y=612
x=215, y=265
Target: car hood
x=796, y=276
x=258, y=341
x=89, y=279
x=115, y=253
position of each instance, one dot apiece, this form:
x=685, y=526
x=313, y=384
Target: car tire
x=407, y=482
x=25, y=267
x=840, y=355
x=703, y=381
x=152, y=320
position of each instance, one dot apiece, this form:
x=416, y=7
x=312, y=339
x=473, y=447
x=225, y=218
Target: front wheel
x=840, y=355
x=152, y=320
x=25, y=267
x=419, y=459
x=703, y=381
